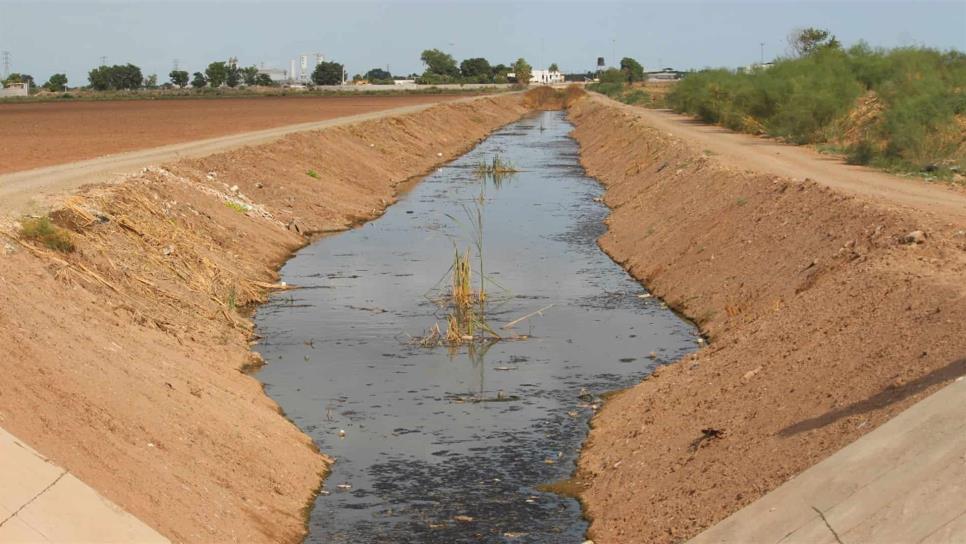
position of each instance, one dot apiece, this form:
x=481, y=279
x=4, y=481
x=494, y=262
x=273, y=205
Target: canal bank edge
x=125, y=358
x=825, y=319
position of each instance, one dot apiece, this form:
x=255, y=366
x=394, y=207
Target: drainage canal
x=450, y=443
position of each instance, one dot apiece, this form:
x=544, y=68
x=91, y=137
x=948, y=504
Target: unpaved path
x=24, y=192
x=758, y=154
x=33, y=135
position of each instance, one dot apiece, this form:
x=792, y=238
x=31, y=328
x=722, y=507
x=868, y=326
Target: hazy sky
x=71, y=36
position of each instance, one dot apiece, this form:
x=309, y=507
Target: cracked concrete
x=42, y=502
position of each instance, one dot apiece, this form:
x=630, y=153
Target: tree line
x=440, y=68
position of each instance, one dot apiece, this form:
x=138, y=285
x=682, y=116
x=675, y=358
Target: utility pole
x=613, y=52
x=103, y=61
x=6, y=63
x=762, y=44
x=176, y=64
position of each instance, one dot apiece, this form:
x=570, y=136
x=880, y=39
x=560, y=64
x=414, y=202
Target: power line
x=176, y=66
x=6, y=63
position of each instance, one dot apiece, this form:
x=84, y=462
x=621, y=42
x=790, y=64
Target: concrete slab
x=903, y=482
x=41, y=502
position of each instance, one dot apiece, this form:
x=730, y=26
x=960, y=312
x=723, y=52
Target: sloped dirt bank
x=822, y=323
x=123, y=361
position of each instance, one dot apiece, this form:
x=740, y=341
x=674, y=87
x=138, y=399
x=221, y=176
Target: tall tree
x=199, y=80
x=233, y=75
x=249, y=75
x=378, y=75
x=477, y=68
x=522, y=71
x=100, y=78
x=179, y=78
x=328, y=73
x=264, y=80
x=217, y=74
x=56, y=83
x=440, y=63
x=633, y=71
x=804, y=41
x=553, y=67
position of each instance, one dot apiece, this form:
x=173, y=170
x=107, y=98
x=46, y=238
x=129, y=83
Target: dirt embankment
x=822, y=324
x=123, y=360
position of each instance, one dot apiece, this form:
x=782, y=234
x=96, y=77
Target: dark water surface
x=426, y=460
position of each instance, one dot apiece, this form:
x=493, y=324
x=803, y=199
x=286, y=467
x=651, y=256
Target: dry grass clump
x=548, y=98
x=497, y=166
x=45, y=232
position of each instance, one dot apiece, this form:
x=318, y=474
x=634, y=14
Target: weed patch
x=42, y=230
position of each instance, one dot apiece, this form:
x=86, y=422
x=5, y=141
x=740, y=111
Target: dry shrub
x=44, y=231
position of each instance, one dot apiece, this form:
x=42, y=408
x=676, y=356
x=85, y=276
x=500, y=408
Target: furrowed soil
x=822, y=324
x=124, y=360
x=47, y=133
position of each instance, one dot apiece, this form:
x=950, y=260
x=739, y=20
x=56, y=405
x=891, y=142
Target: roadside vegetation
x=899, y=109
x=626, y=84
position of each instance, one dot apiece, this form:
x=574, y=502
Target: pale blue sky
x=70, y=36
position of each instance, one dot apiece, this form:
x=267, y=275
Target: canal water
x=444, y=445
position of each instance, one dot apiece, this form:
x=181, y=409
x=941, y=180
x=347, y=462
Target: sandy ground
x=123, y=360
x=822, y=322
x=47, y=133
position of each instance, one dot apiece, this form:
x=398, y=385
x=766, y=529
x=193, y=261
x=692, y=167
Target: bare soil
x=123, y=361
x=822, y=323
x=47, y=133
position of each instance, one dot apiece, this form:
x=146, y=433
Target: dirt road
x=758, y=154
x=23, y=192
x=33, y=135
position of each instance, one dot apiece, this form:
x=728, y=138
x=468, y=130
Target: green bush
x=44, y=231
x=804, y=99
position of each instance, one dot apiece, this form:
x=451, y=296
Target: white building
x=546, y=77
x=543, y=77
x=15, y=89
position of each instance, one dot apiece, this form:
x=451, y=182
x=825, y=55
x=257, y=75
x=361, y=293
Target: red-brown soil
x=123, y=361
x=822, y=324
x=47, y=133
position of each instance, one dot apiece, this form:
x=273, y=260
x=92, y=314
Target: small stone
x=167, y=250
x=9, y=249
x=258, y=185
x=914, y=237
x=233, y=188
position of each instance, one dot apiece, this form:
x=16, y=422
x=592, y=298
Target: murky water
x=426, y=460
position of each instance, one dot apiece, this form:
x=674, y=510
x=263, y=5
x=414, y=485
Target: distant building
x=15, y=89
x=546, y=77
x=403, y=81
x=754, y=67
x=277, y=75
x=542, y=77
x=667, y=74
